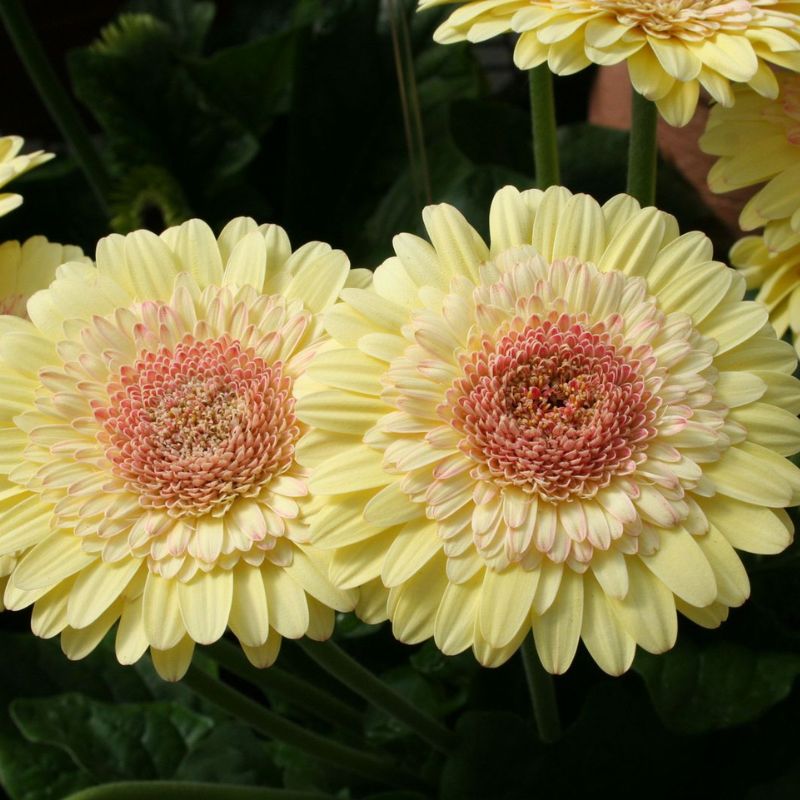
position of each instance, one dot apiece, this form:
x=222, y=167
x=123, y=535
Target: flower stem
x=643, y=150
x=543, y=694
x=188, y=790
x=543, y=120
x=361, y=681
x=295, y=690
x=55, y=98
x=369, y=765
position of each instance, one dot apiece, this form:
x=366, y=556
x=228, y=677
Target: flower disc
x=568, y=431
x=150, y=434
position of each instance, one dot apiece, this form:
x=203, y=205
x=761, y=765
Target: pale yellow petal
x=205, y=603
x=557, y=631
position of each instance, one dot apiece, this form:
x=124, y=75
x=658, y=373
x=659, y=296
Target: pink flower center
x=555, y=408
x=192, y=428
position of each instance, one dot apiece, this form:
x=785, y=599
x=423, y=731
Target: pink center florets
x=192, y=428
x=555, y=409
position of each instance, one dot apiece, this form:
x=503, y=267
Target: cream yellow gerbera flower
x=672, y=47
x=24, y=269
x=758, y=141
x=148, y=430
x=12, y=164
x=777, y=276
x=28, y=267
x=569, y=430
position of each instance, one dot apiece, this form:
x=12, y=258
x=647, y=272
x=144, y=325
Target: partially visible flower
x=776, y=274
x=28, y=267
x=475, y=21
x=672, y=47
x=148, y=431
x=758, y=141
x=567, y=431
x=25, y=269
x=12, y=164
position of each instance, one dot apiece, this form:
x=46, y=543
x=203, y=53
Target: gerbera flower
x=24, y=269
x=148, y=433
x=28, y=267
x=672, y=47
x=758, y=141
x=777, y=276
x=568, y=430
x=12, y=164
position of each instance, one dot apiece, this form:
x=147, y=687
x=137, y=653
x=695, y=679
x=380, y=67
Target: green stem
x=361, y=681
x=294, y=690
x=53, y=95
x=643, y=150
x=369, y=765
x=416, y=176
x=543, y=694
x=543, y=120
x=189, y=790
x=416, y=110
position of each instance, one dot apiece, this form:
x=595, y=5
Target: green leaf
x=190, y=20
x=135, y=82
x=230, y=754
x=251, y=82
x=113, y=741
x=696, y=689
x=48, y=671
x=38, y=772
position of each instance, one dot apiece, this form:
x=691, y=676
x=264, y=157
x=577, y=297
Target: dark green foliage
x=699, y=689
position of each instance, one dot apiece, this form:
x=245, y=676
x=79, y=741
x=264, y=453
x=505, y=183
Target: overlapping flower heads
x=148, y=427
x=672, y=47
x=758, y=142
x=12, y=165
x=568, y=430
